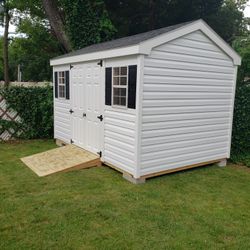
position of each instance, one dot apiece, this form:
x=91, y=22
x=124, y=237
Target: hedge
x=34, y=105
x=240, y=151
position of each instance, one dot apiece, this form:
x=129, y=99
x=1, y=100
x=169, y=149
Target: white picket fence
x=28, y=84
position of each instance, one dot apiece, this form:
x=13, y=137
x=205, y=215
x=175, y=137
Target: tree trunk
x=56, y=22
x=6, y=46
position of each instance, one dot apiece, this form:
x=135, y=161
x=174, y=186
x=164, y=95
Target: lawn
x=204, y=208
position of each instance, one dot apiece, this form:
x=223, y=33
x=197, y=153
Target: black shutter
x=108, y=86
x=132, y=73
x=67, y=84
x=56, y=84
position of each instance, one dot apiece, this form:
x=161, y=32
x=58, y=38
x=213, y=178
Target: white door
x=78, y=105
x=86, y=104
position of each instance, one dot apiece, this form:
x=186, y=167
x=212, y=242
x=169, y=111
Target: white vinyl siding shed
x=182, y=104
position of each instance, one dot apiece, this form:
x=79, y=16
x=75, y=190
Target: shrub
x=34, y=105
x=241, y=126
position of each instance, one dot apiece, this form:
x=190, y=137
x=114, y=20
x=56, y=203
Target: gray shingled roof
x=122, y=42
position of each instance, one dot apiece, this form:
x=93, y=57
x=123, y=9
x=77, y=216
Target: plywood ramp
x=61, y=159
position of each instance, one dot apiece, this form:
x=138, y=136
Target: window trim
x=61, y=84
x=119, y=86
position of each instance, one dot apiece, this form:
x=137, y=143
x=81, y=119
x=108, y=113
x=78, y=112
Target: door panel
x=78, y=105
x=93, y=107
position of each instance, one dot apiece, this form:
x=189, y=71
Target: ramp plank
x=61, y=159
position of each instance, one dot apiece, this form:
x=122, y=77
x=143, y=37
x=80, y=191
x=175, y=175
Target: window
x=61, y=84
x=120, y=86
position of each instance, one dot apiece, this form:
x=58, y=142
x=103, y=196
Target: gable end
x=200, y=25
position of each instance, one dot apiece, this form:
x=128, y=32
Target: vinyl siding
x=119, y=138
x=120, y=128
x=187, y=104
x=62, y=120
x=62, y=123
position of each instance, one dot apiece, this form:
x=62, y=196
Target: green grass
x=204, y=208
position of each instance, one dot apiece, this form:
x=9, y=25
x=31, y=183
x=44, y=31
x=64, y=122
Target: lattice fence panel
x=8, y=115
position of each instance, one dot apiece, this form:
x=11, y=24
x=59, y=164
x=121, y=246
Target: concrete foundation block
x=222, y=163
x=133, y=180
x=60, y=143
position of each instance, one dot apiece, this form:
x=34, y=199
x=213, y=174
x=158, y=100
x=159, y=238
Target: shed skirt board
x=173, y=170
x=129, y=177
x=61, y=159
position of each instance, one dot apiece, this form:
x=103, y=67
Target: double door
x=86, y=108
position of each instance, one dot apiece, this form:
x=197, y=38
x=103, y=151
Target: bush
x=241, y=126
x=34, y=105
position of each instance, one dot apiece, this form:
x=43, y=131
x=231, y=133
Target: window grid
x=61, y=84
x=120, y=86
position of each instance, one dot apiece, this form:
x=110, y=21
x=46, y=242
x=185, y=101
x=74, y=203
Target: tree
x=87, y=22
x=229, y=21
x=33, y=51
x=36, y=45
x=5, y=20
x=242, y=46
x=62, y=25
x=8, y=9
x=135, y=16
x=79, y=23
x=1, y=60
x=241, y=124
x=55, y=18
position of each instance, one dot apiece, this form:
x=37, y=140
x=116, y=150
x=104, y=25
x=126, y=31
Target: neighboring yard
x=205, y=208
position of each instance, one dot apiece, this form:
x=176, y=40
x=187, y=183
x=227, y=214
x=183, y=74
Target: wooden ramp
x=61, y=159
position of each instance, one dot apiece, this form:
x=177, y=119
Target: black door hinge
x=71, y=141
x=100, y=153
x=100, y=117
x=71, y=66
x=71, y=111
x=100, y=63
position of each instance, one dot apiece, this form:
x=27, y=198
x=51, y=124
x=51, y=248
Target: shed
x=151, y=103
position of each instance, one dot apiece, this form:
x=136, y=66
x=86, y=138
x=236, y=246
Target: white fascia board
x=221, y=43
x=125, y=51
x=146, y=47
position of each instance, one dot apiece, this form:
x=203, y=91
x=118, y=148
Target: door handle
x=84, y=114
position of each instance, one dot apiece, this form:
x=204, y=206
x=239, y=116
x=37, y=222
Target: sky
x=12, y=27
x=247, y=10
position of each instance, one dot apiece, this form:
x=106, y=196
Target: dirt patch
x=240, y=167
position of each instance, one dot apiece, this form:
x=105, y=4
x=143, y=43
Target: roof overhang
x=125, y=51
x=146, y=46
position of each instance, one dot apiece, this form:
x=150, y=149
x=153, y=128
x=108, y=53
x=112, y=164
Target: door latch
x=100, y=117
x=71, y=111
